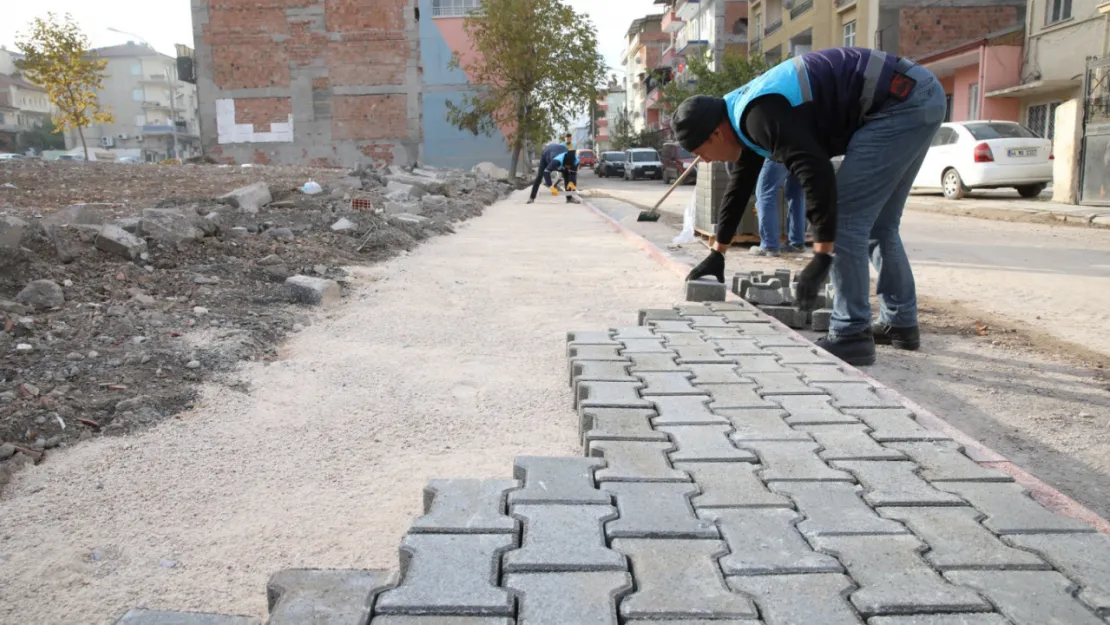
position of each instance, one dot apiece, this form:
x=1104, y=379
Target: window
x=140, y=119
x=136, y=69
x=137, y=95
x=973, y=101
x=454, y=8
x=999, y=130
x=1057, y=11
x=850, y=34
x=948, y=107
x=944, y=136
x=1041, y=119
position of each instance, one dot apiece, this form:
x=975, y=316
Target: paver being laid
x=731, y=475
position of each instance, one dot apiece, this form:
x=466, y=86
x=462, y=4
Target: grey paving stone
x=635, y=461
x=611, y=395
x=896, y=484
x=706, y=290
x=893, y=578
x=324, y=597
x=160, y=617
x=708, y=321
x=764, y=541
x=716, y=374
x=748, y=330
x=784, y=340
x=466, y=507
x=942, y=461
x=957, y=541
x=800, y=599
x=628, y=333
x=731, y=332
x=812, y=410
x=799, y=356
x=680, y=579
x=783, y=384
x=821, y=319
x=704, y=443
x=655, y=362
x=694, y=310
x=600, y=371
x=563, y=538
x=453, y=574
x=738, y=347
x=668, y=383
x=678, y=325
x=1029, y=597
x=567, y=480
x=568, y=598
x=682, y=339
x=1085, y=558
x=760, y=364
x=732, y=305
x=941, y=619
x=855, y=395
x=657, y=511
x=825, y=373
x=619, y=424
x=658, y=314
x=789, y=315
x=594, y=352
x=835, y=509
x=695, y=354
x=896, y=426
x=643, y=346
x=793, y=461
x=727, y=396
x=744, y=316
x=731, y=485
x=687, y=621
x=849, y=442
x=683, y=410
x=762, y=424
x=1010, y=510
x=590, y=338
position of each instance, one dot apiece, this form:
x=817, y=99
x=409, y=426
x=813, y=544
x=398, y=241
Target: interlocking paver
x=563, y=538
x=764, y=541
x=738, y=347
x=658, y=314
x=896, y=484
x=722, y=307
x=812, y=410
x=705, y=443
x=655, y=362
x=941, y=619
x=716, y=374
x=694, y=310
x=894, y=579
x=466, y=507
x=682, y=339
x=635, y=461
x=566, y=598
x=784, y=340
x=731, y=332
x=441, y=620
x=632, y=333
x=594, y=352
x=668, y=383
x=760, y=364
x=896, y=426
x=942, y=461
x=696, y=354
x=557, y=480
x=1029, y=597
x=855, y=395
x=783, y=384
x=660, y=326
x=1010, y=510
x=793, y=461
x=761, y=424
x=744, y=316
x=619, y=424
x=657, y=511
x=324, y=597
x=800, y=599
x=800, y=355
x=600, y=371
x=727, y=396
x=681, y=410
x=835, y=509
x=450, y=574
x=957, y=541
x=708, y=321
x=679, y=579
x=731, y=485
x=815, y=374
x=849, y=442
x=590, y=338
x=643, y=346
x=748, y=330
x=611, y=395
x=159, y=617
x=1085, y=558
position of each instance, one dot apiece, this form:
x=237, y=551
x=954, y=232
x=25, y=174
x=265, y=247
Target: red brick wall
x=367, y=62
x=369, y=117
x=262, y=112
x=923, y=31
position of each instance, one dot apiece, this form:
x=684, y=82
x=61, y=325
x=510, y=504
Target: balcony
x=602, y=123
x=154, y=104
x=652, y=102
x=799, y=8
x=10, y=128
x=687, y=9
x=683, y=41
x=772, y=27
x=843, y=4
x=671, y=22
x=670, y=57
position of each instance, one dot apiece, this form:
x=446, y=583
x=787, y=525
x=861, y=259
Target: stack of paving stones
x=732, y=475
x=773, y=293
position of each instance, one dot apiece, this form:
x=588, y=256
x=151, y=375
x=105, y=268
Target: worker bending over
x=567, y=166
x=877, y=110
x=550, y=151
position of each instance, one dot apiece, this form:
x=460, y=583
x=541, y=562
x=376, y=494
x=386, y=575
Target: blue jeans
x=873, y=183
x=771, y=178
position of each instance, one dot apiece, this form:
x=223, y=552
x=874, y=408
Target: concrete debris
x=249, y=199
x=490, y=171
x=433, y=201
x=402, y=192
x=170, y=225
x=281, y=234
x=350, y=183
x=428, y=185
x=396, y=208
x=116, y=240
x=344, y=225
x=11, y=231
x=42, y=295
x=313, y=291
x=411, y=219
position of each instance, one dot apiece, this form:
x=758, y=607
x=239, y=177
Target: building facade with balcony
x=642, y=60
x=23, y=107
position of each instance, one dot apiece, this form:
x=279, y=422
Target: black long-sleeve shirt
x=788, y=133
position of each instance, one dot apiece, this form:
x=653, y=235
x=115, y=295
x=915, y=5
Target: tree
x=57, y=57
x=536, y=67
x=42, y=138
x=623, y=134
x=736, y=71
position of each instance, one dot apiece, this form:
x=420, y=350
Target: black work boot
x=857, y=350
x=907, y=338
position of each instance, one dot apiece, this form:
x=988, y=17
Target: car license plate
x=1020, y=152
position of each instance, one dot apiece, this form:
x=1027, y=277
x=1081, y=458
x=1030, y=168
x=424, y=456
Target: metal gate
x=1094, y=186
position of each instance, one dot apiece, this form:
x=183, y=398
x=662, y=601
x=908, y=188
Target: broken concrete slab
x=116, y=240
x=397, y=208
x=490, y=171
x=313, y=291
x=402, y=191
x=11, y=231
x=250, y=198
x=344, y=225
x=169, y=225
x=42, y=295
x=427, y=185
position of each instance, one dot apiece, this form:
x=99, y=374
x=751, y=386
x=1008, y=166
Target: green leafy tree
x=537, y=67
x=736, y=71
x=58, y=57
x=45, y=137
x=623, y=135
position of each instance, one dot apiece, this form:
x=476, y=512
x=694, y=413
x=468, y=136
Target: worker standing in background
x=550, y=151
x=880, y=112
x=772, y=177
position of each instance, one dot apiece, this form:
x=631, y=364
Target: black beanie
x=696, y=119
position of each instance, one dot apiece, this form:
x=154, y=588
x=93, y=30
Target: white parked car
x=986, y=155
x=4, y=156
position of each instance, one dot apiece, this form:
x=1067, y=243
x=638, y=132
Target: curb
x=1045, y=494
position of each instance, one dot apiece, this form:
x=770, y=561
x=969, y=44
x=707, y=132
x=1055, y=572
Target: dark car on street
x=610, y=164
x=677, y=160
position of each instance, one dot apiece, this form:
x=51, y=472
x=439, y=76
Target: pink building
x=972, y=69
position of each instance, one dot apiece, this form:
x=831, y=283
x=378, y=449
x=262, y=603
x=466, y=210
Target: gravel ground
x=446, y=362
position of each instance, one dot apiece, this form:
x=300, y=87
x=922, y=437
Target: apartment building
x=23, y=106
x=643, y=73
x=611, y=104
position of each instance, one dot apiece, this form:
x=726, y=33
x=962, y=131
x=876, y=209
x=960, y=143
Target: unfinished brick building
x=332, y=82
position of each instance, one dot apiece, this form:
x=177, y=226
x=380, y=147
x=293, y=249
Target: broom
x=653, y=214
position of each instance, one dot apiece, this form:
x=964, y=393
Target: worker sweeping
x=877, y=110
x=550, y=151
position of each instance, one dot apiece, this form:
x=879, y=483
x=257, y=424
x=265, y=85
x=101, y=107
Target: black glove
x=713, y=265
x=810, y=280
